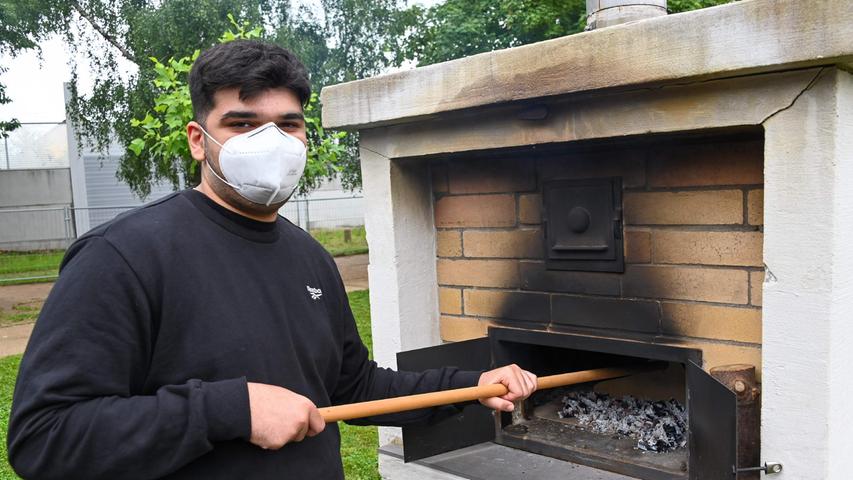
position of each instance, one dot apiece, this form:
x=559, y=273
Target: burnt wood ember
x=657, y=426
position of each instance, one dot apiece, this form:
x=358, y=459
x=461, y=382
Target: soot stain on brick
x=525, y=310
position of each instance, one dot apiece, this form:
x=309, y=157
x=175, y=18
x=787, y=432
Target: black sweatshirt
x=138, y=364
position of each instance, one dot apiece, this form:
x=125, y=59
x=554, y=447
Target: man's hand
x=280, y=416
x=520, y=384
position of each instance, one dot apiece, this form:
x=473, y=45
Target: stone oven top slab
x=740, y=38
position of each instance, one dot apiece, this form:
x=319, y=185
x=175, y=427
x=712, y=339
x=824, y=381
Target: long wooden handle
x=434, y=399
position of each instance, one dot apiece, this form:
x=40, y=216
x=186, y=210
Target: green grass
x=8, y=373
x=20, y=313
x=43, y=266
x=333, y=241
x=29, y=266
x=358, y=444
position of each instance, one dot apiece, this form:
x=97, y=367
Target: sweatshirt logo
x=316, y=293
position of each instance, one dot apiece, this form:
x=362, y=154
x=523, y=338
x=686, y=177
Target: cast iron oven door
x=583, y=224
x=711, y=407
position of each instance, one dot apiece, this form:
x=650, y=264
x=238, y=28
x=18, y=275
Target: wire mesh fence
x=33, y=240
x=35, y=145
x=329, y=213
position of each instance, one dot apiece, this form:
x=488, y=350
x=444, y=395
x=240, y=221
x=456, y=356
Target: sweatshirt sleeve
x=79, y=410
x=362, y=380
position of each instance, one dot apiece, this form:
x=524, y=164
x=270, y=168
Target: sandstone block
x=708, y=248
x=523, y=306
x=732, y=163
x=526, y=243
x=457, y=329
x=530, y=209
x=712, y=321
x=610, y=313
x=628, y=164
x=492, y=175
x=438, y=172
x=448, y=243
x=478, y=273
x=718, y=354
x=534, y=276
x=755, y=207
x=637, y=246
x=715, y=207
x=756, y=287
x=475, y=211
x=686, y=283
x=450, y=300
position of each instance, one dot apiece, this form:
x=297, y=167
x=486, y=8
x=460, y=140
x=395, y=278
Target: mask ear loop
x=269, y=201
x=210, y=167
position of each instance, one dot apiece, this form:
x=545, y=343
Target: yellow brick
x=438, y=171
x=457, y=329
x=503, y=244
x=492, y=175
x=524, y=306
x=637, y=246
x=715, y=207
x=475, y=211
x=727, y=163
x=755, y=207
x=448, y=243
x=708, y=248
x=686, y=283
x=450, y=300
x=756, y=287
x=628, y=164
x=478, y=273
x=719, y=354
x=712, y=321
x=530, y=209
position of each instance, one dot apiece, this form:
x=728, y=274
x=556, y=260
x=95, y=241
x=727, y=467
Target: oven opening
x=635, y=425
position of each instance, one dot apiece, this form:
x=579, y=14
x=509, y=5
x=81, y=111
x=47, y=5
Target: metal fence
x=316, y=213
x=35, y=145
x=33, y=240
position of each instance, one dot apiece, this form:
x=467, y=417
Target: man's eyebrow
x=249, y=114
x=238, y=114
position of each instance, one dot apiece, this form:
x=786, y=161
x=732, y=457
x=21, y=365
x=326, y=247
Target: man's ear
x=195, y=137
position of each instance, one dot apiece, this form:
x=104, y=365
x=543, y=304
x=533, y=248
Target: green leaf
x=136, y=146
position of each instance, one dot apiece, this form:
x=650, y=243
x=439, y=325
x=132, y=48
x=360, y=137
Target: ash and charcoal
x=657, y=426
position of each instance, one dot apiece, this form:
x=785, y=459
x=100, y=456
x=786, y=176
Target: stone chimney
x=606, y=13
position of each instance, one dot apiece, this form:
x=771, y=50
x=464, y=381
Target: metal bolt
x=740, y=387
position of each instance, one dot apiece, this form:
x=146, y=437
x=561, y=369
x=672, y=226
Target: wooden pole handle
x=434, y=399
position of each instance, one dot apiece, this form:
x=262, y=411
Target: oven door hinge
x=769, y=468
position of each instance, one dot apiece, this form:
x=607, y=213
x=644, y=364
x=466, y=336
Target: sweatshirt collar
x=250, y=229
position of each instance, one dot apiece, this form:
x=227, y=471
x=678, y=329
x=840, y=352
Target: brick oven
x=676, y=190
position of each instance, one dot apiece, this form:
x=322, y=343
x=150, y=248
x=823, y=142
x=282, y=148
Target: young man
x=195, y=337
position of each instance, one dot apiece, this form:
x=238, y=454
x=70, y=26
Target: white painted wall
x=808, y=291
x=399, y=224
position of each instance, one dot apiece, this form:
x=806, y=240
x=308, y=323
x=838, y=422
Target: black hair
x=249, y=65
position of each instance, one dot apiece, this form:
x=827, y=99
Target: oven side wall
x=808, y=299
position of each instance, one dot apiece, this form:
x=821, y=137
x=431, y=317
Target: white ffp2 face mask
x=263, y=165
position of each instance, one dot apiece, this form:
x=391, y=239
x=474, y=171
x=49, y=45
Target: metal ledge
x=486, y=461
